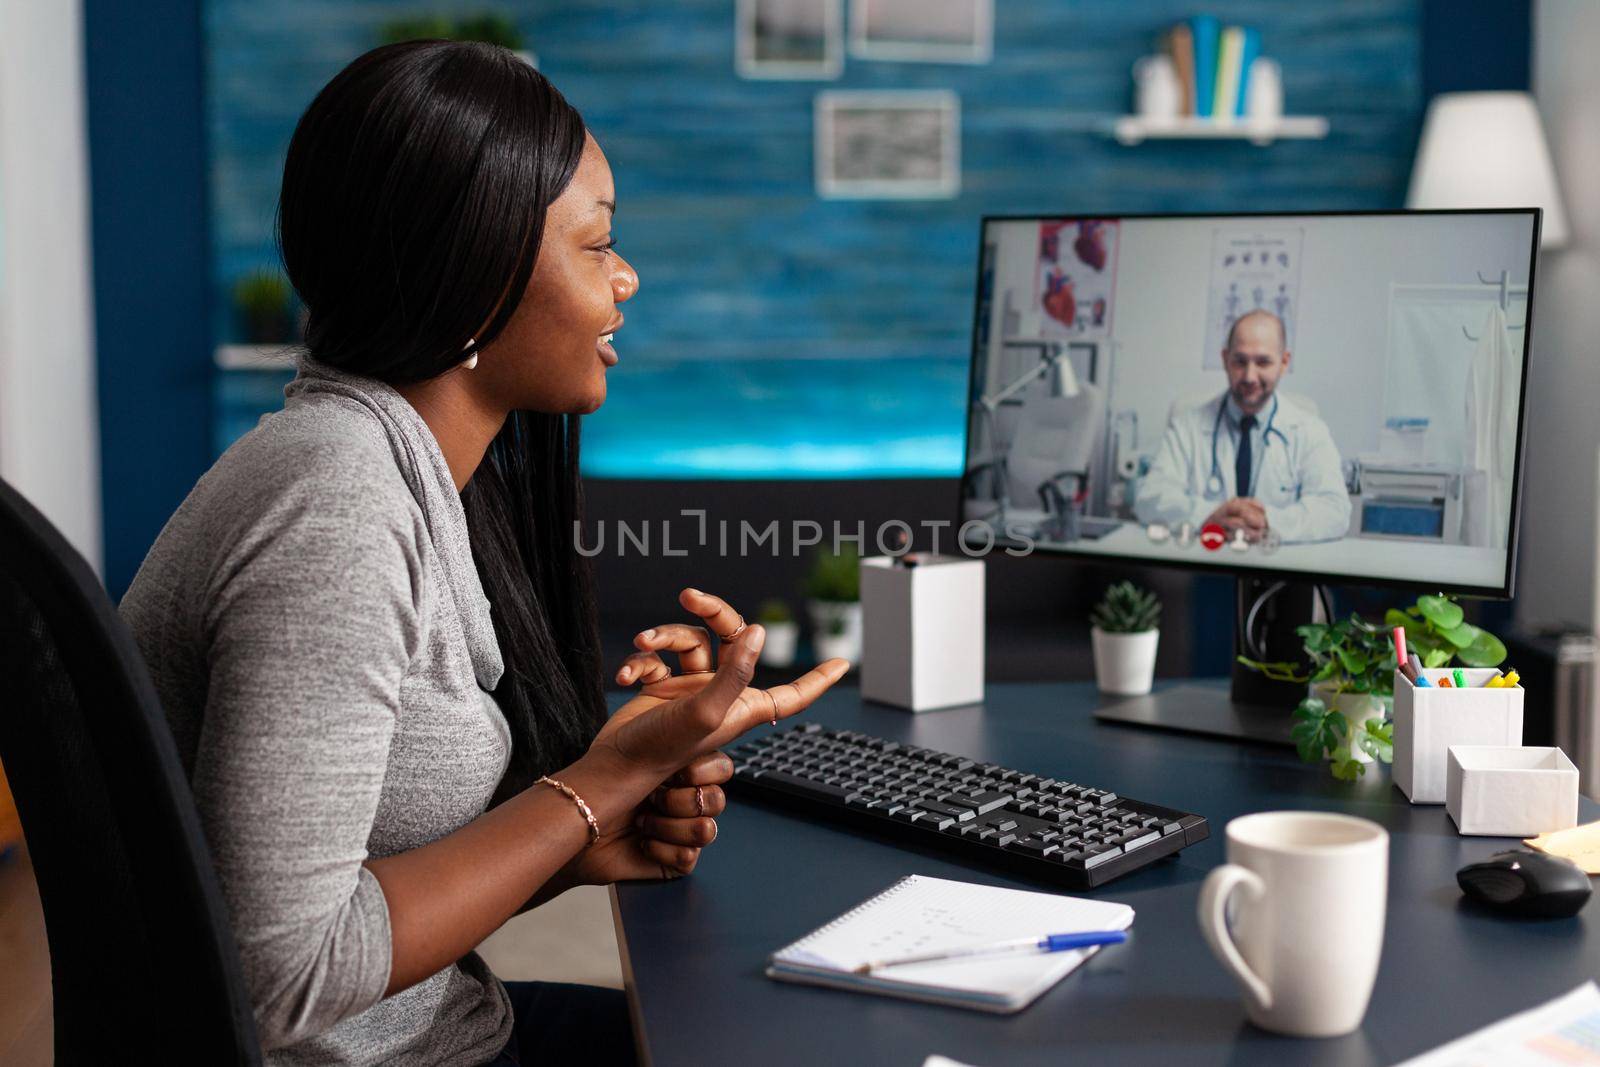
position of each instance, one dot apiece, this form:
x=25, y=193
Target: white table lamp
x=1484, y=150
x=1063, y=379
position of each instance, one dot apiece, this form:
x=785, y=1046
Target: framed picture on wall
x=902, y=145
x=1251, y=270
x=790, y=39
x=925, y=31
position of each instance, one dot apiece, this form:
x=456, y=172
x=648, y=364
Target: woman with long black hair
x=368, y=622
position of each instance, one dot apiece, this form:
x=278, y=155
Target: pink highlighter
x=1400, y=654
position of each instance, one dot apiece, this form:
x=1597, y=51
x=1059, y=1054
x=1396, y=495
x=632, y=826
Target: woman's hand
x=676, y=718
x=666, y=834
x=692, y=645
x=680, y=706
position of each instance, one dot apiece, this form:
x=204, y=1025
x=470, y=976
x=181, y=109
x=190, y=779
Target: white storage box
x=1511, y=792
x=922, y=639
x=1428, y=721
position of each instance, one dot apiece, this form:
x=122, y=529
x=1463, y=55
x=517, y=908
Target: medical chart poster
x=1076, y=280
x=1251, y=270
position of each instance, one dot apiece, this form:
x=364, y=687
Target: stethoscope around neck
x=1214, y=484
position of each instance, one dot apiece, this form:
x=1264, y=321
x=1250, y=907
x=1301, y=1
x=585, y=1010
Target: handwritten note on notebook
x=919, y=914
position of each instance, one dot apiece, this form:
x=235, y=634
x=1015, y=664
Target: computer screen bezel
x=1502, y=592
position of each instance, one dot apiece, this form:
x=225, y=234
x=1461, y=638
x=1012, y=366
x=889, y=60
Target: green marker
x=1461, y=679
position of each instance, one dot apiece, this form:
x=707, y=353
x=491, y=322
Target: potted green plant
x=833, y=591
x=421, y=27
x=265, y=303
x=490, y=27
x=487, y=27
x=1345, y=715
x=1125, y=630
x=783, y=633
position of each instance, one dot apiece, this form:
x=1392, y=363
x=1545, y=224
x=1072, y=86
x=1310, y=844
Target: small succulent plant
x=774, y=611
x=835, y=578
x=1127, y=609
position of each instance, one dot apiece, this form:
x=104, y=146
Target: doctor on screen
x=1249, y=459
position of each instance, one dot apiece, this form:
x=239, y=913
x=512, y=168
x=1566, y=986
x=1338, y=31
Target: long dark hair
x=414, y=199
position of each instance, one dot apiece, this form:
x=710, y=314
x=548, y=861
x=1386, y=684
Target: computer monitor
x=1329, y=397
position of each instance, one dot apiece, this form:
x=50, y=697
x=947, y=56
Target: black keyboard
x=1051, y=829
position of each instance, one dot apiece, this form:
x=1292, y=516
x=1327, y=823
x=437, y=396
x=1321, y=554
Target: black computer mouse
x=1528, y=883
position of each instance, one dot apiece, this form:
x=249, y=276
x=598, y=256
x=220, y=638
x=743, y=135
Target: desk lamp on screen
x=1292, y=399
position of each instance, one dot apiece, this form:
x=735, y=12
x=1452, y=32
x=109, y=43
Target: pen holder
x=1428, y=721
x=922, y=645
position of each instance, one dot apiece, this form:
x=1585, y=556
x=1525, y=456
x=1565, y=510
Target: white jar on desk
x=922, y=642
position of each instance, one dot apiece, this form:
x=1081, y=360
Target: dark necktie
x=1241, y=466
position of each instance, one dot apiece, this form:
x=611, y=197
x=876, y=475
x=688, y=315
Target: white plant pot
x=1357, y=708
x=829, y=645
x=782, y=637
x=1124, y=664
x=837, y=647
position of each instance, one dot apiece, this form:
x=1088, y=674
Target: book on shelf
x=1249, y=51
x=1212, y=63
x=1180, y=46
x=1230, y=50
x=1205, y=31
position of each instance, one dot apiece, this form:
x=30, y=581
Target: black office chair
x=143, y=962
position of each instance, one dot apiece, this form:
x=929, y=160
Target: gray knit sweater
x=322, y=645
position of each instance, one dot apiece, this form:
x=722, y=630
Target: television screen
x=1338, y=396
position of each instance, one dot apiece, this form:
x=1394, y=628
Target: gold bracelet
x=588, y=816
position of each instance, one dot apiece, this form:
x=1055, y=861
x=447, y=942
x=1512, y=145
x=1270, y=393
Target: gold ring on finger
x=733, y=636
x=699, y=801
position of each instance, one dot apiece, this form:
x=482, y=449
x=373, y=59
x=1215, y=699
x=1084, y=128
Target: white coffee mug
x=1307, y=891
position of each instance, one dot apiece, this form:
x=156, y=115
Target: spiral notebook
x=920, y=914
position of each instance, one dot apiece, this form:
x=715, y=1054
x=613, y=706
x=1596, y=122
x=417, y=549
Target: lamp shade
x=1487, y=150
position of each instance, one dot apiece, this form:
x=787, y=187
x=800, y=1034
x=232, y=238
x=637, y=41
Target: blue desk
x=693, y=951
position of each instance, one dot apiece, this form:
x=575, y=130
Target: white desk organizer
x=922, y=645
x=1428, y=721
x=1511, y=792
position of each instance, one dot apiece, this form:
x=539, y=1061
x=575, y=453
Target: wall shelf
x=1133, y=129
x=275, y=358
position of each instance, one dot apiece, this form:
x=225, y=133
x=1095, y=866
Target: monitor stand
x=1246, y=706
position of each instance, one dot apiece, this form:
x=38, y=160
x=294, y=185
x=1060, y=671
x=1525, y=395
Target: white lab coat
x=1493, y=382
x=1299, y=479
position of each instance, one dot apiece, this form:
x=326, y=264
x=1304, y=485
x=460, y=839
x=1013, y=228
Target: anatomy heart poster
x=1251, y=269
x=1076, y=282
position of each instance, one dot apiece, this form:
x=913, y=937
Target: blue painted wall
x=1476, y=45
x=152, y=301
x=780, y=335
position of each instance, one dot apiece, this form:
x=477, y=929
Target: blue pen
x=1423, y=683
x=1047, y=943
